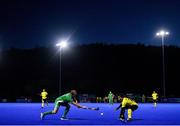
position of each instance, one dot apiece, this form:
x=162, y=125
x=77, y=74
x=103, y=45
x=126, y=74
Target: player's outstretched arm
x=78, y=105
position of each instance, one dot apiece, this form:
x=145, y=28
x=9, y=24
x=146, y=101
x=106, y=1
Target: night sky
x=31, y=23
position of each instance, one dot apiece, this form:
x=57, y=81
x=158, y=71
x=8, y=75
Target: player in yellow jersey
x=126, y=104
x=44, y=97
x=154, y=97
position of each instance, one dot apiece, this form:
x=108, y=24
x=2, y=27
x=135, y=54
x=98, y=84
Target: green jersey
x=110, y=96
x=65, y=98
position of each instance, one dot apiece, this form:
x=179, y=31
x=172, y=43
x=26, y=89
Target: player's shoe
x=129, y=119
x=64, y=118
x=42, y=116
x=122, y=119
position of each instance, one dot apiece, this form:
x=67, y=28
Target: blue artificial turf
x=146, y=114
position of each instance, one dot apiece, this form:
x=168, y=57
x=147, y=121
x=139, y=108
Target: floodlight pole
x=163, y=33
x=61, y=45
x=60, y=70
x=163, y=67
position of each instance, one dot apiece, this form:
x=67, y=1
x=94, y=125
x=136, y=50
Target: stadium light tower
x=61, y=45
x=162, y=34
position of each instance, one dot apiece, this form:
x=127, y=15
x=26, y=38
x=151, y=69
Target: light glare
x=162, y=33
x=62, y=44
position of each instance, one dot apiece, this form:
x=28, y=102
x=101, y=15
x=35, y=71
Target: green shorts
x=59, y=103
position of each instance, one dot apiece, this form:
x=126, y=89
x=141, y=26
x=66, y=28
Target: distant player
x=100, y=99
x=110, y=97
x=64, y=100
x=154, y=97
x=97, y=99
x=143, y=98
x=105, y=99
x=44, y=97
x=119, y=98
x=129, y=104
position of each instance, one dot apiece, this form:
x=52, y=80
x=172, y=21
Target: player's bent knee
x=54, y=111
x=134, y=107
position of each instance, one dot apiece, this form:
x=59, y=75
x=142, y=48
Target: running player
x=129, y=104
x=44, y=97
x=63, y=101
x=154, y=97
x=110, y=97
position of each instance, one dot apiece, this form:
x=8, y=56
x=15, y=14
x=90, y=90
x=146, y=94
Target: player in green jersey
x=64, y=100
x=110, y=97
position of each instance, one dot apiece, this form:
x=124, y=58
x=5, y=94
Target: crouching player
x=129, y=104
x=63, y=101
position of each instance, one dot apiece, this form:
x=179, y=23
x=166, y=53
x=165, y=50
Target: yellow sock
x=129, y=113
x=42, y=104
x=155, y=104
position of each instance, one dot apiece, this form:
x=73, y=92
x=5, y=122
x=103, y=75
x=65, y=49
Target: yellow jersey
x=44, y=94
x=154, y=96
x=128, y=102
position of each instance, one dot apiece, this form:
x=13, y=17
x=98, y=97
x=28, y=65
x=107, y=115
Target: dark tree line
x=94, y=69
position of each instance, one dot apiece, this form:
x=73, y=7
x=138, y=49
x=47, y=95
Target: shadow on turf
x=77, y=119
x=68, y=119
x=136, y=120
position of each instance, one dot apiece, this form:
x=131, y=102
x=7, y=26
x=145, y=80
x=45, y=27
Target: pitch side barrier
x=86, y=125
x=170, y=100
x=93, y=100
